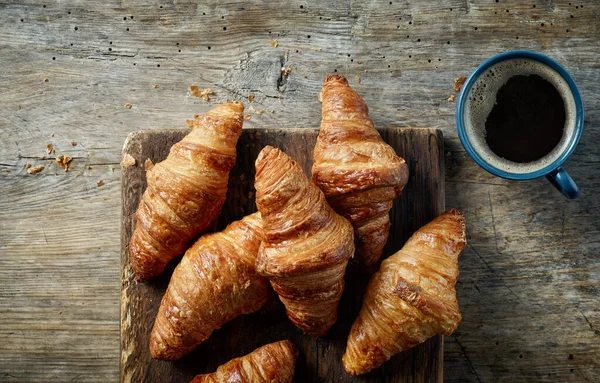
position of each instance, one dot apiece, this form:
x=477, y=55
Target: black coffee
x=527, y=121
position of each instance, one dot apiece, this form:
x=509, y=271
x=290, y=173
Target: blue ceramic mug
x=477, y=97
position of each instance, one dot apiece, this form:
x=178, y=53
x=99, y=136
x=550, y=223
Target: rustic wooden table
x=529, y=286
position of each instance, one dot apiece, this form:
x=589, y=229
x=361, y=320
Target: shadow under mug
x=553, y=172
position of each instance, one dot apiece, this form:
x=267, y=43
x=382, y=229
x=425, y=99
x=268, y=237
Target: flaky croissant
x=358, y=172
x=411, y=298
x=215, y=282
x=186, y=191
x=272, y=363
x=307, y=245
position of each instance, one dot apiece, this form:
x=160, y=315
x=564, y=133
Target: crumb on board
x=52, y=134
x=358, y=61
x=458, y=83
x=8, y=170
x=19, y=107
x=50, y=148
x=148, y=164
x=357, y=79
x=273, y=43
x=286, y=71
x=34, y=169
x=100, y=183
x=155, y=86
x=260, y=112
x=127, y=160
x=305, y=76
x=43, y=157
x=248, y=117
x=63, y=162
x=201, y=93
x=451, y=98
x=128, y=106
x=27, y=165
x=73, y=143
x=46, y=80
x=251, y=97
x=89, y=168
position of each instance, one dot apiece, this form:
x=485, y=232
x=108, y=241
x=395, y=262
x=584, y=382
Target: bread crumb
x=8, y=170
x=148, y=164
x=100, y=183
x=196, y=115
x=43, y=157
x=63, y=162
x=34, y=169
x=155, y=86
x=128, y=106
x=89, y=168
x=286, y=71
x=458, y=83
x=286, y=55
x=248, y=117
x=36, y=156
x=451, y=98
x=73, y=143
x=46, y=80
x=50, y=148
x=250, y=97
x=112, y=169
x=51, y=134
x=358, y=61
x=127, y=161
x=19, y=107
x=305, y=76
x=357, y=79
x=274, y=43
x=201, y=93
x=260, y=112
x=27, y=166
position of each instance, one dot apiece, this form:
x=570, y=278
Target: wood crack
x=594, y=329
x=464, y=352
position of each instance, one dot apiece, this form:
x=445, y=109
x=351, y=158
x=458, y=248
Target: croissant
x=272, y=363
x=411, y=298
x=186, y=191
x=215, y=282
x=307, y=245
x=358, y=172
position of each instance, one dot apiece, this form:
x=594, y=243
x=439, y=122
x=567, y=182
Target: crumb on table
x=100, y=183
x=34, y=169
x=73, y=143
x=250, y=97
x=274, y=43
x=451, y=98
x=50, y=148
x=286, y=71
x=458, y=83
x=201, y=93
x=63, y=162
x=128, y=106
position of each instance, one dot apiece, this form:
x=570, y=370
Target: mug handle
x=561, y=180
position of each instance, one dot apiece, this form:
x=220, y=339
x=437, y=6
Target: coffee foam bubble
x=481, y=99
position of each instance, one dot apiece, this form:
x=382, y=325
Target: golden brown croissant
x=272, y=363
x=411, y=298
x=215, y=282
x=358, y=172
x=186, y=191
x=307, y=245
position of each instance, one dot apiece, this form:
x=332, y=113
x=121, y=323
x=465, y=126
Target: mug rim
x=469, y=84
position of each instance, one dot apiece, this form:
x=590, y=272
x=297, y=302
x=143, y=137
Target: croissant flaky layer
x=359, y=173
x=272, y=363
x=215, y=282
x=186, y=191
x=307, y=245
x=411, y=298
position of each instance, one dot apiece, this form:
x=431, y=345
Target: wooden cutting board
x=320, y=358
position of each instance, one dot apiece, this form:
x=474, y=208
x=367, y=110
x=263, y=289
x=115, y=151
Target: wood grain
x=320, y=358
x=59, y=248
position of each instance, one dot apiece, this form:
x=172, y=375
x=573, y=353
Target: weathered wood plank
x=320, y=359
x=553, y=271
